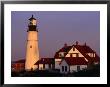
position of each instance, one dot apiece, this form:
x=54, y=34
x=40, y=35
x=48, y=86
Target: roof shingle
x=83, y=49
x=75, y=61
x=45, y=61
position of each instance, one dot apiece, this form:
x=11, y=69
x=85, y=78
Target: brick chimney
x=65, y=45
x=76, y=42
x=85, y=44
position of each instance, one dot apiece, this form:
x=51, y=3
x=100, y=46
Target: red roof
x=20, y=61
x=92, y=59
x=64, y=49
x=75, y=61
x=45, y=61
x=83, y=49
x=86, y=49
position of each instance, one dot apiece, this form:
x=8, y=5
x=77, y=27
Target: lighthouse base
x=32, y=68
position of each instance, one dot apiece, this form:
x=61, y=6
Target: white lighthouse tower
x=32, y=51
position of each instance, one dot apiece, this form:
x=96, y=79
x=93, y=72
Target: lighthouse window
x=31, y=46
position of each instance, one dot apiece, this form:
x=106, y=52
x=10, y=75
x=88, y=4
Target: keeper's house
x=74, y=58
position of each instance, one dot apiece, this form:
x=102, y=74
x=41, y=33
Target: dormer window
x=91, y=54
x=94, y=54
x=61, y=54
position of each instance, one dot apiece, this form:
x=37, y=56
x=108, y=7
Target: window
x=94, y=54
x=43, y=66
x=77, y=55
x=65, y=68
x=73, y=49
x=61, y=54
x=31, y=46
x=70, y=54
x=78, y=68
x=49, y=65
x=62, y=68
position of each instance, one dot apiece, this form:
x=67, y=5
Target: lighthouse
x=32, y=50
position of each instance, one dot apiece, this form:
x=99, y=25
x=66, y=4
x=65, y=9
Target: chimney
x=65, y=45
x=85, y=44
x=76, y=42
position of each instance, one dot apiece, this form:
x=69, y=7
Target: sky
x=55, y=28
